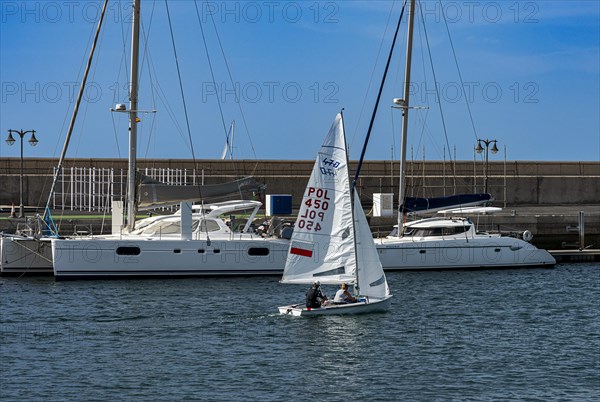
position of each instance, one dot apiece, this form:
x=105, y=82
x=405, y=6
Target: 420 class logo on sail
x=329, y=167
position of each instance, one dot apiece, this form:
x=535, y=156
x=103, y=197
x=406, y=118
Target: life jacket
x=312, y=298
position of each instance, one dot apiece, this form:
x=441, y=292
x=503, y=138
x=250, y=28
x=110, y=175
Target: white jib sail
x=371, y=279
x=322, y=245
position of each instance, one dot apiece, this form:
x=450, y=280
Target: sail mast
x=228, y=149
x=352, y=190
x=231, y=139
x=404, y=105
x=133, y=106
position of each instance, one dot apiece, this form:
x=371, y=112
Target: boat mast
x=75, y=110
x=228, y=149
x=133, y=106
x=404, y=105
x=231, y=139
x=385, y=71
x=352, y=190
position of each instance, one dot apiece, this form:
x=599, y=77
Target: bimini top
x=470, y=210
x=219, y=208
x=439, y=222
x=416, y=205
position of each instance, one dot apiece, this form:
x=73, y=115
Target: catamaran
x=450, y=241
x=186, y=244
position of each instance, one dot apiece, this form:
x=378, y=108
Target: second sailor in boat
x=342, y=296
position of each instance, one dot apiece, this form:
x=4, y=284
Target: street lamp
x=33, y=142
x=479, y=149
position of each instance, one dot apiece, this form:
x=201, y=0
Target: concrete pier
x=588, y=255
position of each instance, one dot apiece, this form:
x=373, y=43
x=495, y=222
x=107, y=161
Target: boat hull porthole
x=128, y=250
x=258, y=251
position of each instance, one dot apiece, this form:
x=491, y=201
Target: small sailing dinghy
x=332, y=241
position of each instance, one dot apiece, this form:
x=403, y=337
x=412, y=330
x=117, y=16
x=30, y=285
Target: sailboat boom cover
x=154, y=193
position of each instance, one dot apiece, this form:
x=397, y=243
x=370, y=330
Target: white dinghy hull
x=369, y=306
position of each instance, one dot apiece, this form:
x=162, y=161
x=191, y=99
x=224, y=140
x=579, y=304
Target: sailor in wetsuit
x=315, y=296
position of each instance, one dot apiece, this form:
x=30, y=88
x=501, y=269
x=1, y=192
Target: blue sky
x=530, y=69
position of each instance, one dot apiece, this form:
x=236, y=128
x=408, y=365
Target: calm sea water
x=525, y=334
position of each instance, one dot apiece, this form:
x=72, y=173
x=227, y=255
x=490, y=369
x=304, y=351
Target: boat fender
x=527, y=236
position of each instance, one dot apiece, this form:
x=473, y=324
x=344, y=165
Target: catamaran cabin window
x=167, y=227
x=447, y=231
x=209, y=226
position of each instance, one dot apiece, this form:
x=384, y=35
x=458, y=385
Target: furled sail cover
x=415, y=205
x=155, y=193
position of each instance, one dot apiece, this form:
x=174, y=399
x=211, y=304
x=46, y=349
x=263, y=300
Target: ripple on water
x=484, y=335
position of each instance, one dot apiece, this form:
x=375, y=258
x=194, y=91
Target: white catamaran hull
x=110, y=258
x=25, y=256
x=363, y=307
x=486, y=252
x=28, y=256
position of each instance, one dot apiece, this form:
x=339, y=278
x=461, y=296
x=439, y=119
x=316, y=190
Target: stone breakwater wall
x=543, y=197
x=513, y=184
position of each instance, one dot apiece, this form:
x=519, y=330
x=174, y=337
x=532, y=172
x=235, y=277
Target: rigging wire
x=418, y=114
x=87, y=108
x=123, y=62
x=362, y=108
x=163, y=98
x=187, y=120
x=364, y=149
x=199, y=187
x=462, y=85
x=232, y=83
x=155, y=88
x=210, y=66
x=435, y=82
x=146, y=61
x=98, y=35
x=68, y=110
x=214, y=80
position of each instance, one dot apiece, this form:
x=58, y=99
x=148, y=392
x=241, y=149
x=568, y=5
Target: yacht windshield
x=433, y=232
x=208, y=225
x=166, y=227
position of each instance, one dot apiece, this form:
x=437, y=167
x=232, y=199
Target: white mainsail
x=322, y=245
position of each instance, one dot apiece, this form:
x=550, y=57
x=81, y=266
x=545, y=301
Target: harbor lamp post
x=33, y=142
x=479, y=149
